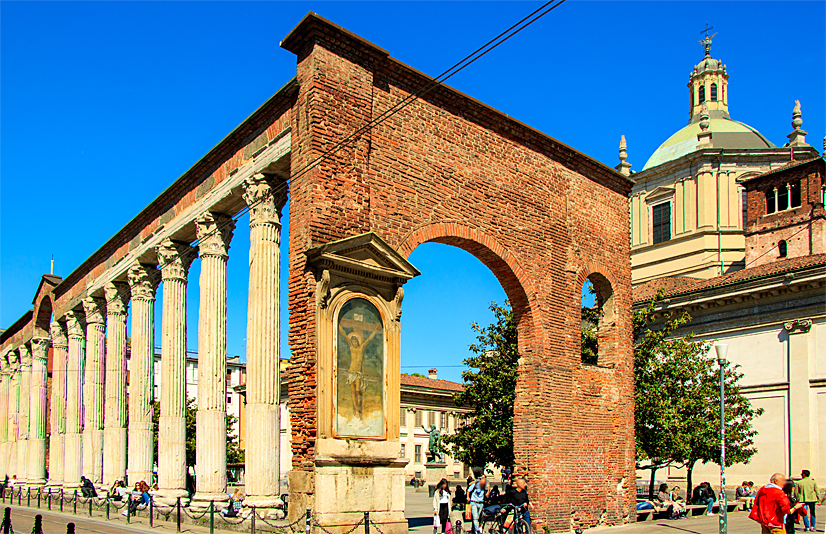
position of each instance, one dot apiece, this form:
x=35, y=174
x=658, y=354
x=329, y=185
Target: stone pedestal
x=434, y=471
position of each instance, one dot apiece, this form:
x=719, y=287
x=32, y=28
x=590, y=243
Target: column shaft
x=214, y=235
x=57, y=419
x=175, y=259
x=37, y=412
x=263, y=428
x=115, y=414
x=143, y=281
x=5, y=381
x=93, y=389
x=14, y=402
x=23, y=414
x=75, y=362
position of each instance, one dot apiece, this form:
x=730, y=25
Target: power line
x=480, y=52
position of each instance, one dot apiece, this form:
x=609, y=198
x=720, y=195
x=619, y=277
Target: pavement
x=418, y=510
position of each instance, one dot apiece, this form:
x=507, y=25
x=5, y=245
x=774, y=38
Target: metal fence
x=60, y=500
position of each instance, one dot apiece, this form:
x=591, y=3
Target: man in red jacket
x=771, y=506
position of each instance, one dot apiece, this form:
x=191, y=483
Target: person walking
x=793, y=517
x=518, y=496
x=771, y=505
x=442, y=504
x=807, y=491
x=477, y=493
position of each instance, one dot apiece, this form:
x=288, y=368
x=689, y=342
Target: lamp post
x=722, y=351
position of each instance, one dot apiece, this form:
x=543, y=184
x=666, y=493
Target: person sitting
x=493, y=496
x=703, y=494
x=460, y=497
x=87, y=489
x=116, y=493
x=142, y=498
x=743, y=494
x=236, y=502
x=676, y=509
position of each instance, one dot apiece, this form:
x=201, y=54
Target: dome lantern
x=708, y=85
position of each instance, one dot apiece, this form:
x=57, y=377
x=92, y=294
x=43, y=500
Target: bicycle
x=505, y=519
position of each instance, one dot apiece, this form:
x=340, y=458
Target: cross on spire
x=706, y=41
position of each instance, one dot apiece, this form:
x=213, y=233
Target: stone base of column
x=266, y=506
x=169, y=497
x=201, y=500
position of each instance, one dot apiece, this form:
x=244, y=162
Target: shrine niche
x=358, y=307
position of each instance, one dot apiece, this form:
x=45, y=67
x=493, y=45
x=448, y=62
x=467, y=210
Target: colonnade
x=104, y=432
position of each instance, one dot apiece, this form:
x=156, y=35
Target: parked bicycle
x=504, y=519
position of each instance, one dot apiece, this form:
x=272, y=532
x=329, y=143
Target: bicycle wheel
x=523, y=526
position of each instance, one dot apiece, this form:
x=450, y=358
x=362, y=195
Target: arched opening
x=714, y=92
x=702, y=94
x=597, y=320
x=781, y=249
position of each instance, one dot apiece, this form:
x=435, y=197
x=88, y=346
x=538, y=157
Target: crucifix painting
x=360, y=370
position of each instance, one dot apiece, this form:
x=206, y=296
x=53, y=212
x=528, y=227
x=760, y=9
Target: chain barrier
x=194, y=516
x=320, y=526
x=281, y=528
x=376, y=526
x=232, y=520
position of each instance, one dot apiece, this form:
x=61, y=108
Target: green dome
x=726, y=133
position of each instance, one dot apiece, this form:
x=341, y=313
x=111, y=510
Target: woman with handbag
x=442, y=504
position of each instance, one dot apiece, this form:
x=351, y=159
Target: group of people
x=672, y=500
x=781, y=504
x=478, y=496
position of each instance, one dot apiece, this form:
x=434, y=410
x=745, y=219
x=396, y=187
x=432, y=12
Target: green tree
x=676, y=389
x=489, y=388
x=234, y=452
x=589, y=345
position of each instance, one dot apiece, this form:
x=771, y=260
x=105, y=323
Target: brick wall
x=802, y=228
x=540, y=215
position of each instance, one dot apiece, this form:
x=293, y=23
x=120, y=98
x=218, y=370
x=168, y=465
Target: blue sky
x=105, y=104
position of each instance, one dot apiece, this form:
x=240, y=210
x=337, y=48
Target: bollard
x=49, y=499
x=70, y=528
x=38, y=524
x=128, y=507
x=211, y=517
x=151, y=510
x=74, y=504
x=178, y=514
x=366, y=522
x=20, y=497
x=28, y=496
x=107, y=507
x=308, y=522
x=38, y=497
x=252, y=523
x=90, y=506
x=61, y=499
x=7, y=521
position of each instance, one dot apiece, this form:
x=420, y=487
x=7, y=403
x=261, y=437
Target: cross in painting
x=357, y=342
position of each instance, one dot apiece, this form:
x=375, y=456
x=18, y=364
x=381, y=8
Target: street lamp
x=722, y=350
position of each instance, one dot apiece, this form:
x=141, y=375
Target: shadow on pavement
x=413, y=522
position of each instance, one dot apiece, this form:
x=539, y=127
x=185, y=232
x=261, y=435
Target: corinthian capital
x=214, y=233
x=25, y=355
x=143, y=281
x=175, y=259
x=117, y=298
x=40, y=348
x=264, y=198
x=75, y=323
x=59, y=335
x=95, y=308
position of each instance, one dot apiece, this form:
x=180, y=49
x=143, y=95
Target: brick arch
x=42, y=316
x=488, y=250
x=606, y=288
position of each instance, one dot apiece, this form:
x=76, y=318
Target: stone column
x=114, y=392
x=175, y=259
x=23, y=414
x=95, y=308
x=75, y=361
x=5, y=381
x=57, y=420
x=214, y=234
x=263, y=427
x=143, y=281
x=14, y=402
x=37, y=412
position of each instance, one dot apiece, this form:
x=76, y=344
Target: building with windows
x=688, y=202
x=772, y=316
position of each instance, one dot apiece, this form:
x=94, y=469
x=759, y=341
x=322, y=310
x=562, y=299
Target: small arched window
x=714, y=92
x=702, y=97
x=781, y=249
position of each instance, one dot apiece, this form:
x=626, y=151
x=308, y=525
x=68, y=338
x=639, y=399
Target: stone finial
x=704, y=137
x=623, y=167
x=798, y=136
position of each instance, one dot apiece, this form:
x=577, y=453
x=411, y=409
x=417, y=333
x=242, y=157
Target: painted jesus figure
x=356, y=377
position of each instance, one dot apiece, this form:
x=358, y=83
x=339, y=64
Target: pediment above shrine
x=365, y=255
